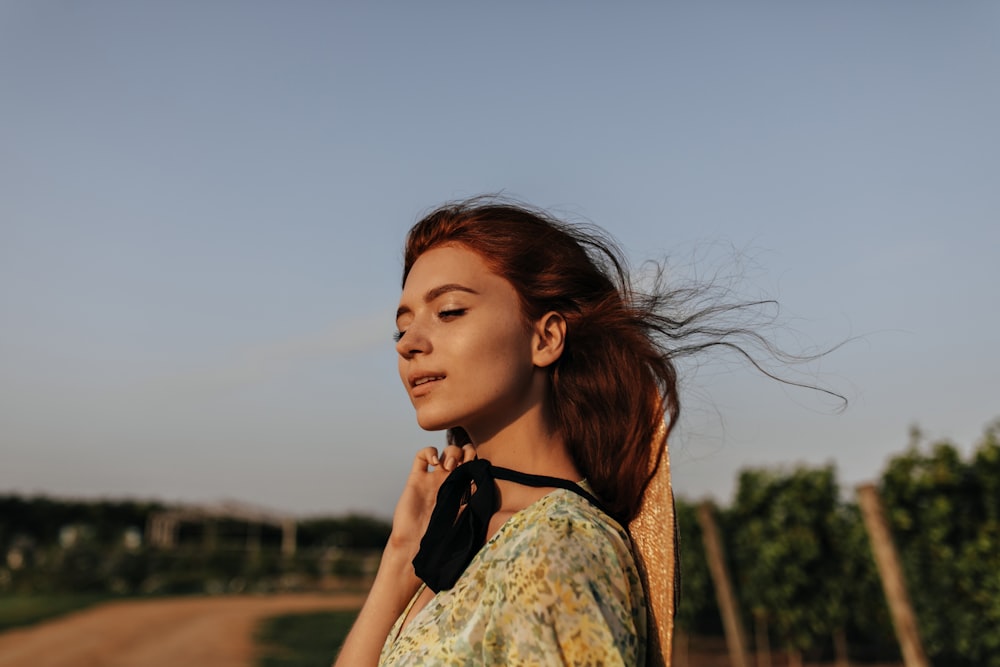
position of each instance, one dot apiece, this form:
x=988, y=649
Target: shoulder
x=567, y=585
x=565, y=540
x=567, y=519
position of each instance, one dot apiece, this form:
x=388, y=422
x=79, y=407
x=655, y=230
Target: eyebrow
x=436, y=292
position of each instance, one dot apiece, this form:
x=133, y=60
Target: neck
x=528, y=445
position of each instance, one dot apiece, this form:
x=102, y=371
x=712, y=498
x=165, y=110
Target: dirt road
x=174, y=632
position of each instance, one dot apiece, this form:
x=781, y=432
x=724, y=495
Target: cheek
x=509, y=352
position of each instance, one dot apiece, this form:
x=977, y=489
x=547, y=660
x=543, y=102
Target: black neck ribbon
x=454, y=535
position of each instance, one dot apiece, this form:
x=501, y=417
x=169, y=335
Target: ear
x=548, y=340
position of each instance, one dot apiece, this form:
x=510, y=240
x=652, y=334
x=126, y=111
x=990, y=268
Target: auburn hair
x=616, y=382
x=612, y=387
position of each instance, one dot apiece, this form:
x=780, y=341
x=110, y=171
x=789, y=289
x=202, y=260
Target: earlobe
x=549, y=339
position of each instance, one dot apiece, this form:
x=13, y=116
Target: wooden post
x=735, y=635
x=288, y=530
x=211, y=535
x=840, y=648
x=887, y=561
x=762, y=644
x=680, y=658
x=149, y=537
x=171, y=531
x=253, y=540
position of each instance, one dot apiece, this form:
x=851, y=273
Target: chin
x=431, y=423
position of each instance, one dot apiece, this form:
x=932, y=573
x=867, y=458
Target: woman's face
x=465, y=352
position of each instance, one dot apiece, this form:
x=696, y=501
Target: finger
x=468, y=453
x=451, y=456
x=428, y=456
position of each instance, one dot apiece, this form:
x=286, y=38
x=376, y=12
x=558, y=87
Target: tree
x=784, y=529
x=944, y=516
x=697, y=612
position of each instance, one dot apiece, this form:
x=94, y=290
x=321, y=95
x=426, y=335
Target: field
x=289, y=630
x=302, y=640
x=160, y=632
x=30, y=609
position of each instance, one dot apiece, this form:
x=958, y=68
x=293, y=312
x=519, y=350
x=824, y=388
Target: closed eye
x=444, y=315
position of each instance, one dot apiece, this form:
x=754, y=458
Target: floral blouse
x=556, y=585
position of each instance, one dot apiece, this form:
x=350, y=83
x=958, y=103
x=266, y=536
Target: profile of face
x=467, y=358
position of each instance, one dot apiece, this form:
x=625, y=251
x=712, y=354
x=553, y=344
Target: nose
x=413, y=341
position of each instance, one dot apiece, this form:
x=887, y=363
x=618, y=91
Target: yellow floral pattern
x=556, y=585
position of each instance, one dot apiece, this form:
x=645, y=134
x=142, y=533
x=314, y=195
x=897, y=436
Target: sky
x=202, y=208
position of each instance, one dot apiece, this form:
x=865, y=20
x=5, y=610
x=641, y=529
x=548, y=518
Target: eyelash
x=444, y=315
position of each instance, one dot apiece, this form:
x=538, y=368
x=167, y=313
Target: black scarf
x=453, y=539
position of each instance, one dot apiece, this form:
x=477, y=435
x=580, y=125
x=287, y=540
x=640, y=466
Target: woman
x=523, y=337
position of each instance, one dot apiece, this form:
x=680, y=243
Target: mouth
x=422, y=380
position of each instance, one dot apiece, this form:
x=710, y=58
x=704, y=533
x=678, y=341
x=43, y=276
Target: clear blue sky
x=202, y=207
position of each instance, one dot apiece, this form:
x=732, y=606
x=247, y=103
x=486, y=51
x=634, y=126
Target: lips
x=424, y=381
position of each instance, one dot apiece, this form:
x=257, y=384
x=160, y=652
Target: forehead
x=450, y=264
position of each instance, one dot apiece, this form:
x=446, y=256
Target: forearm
x=394, y=586
x=395, y=582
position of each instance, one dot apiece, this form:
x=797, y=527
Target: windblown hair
x=616, y=380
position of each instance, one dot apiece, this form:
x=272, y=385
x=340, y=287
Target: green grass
x=303, y=640
x=18, y=610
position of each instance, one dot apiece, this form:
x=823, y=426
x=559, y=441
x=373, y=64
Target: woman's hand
x=396, y=582
x=413, y=511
